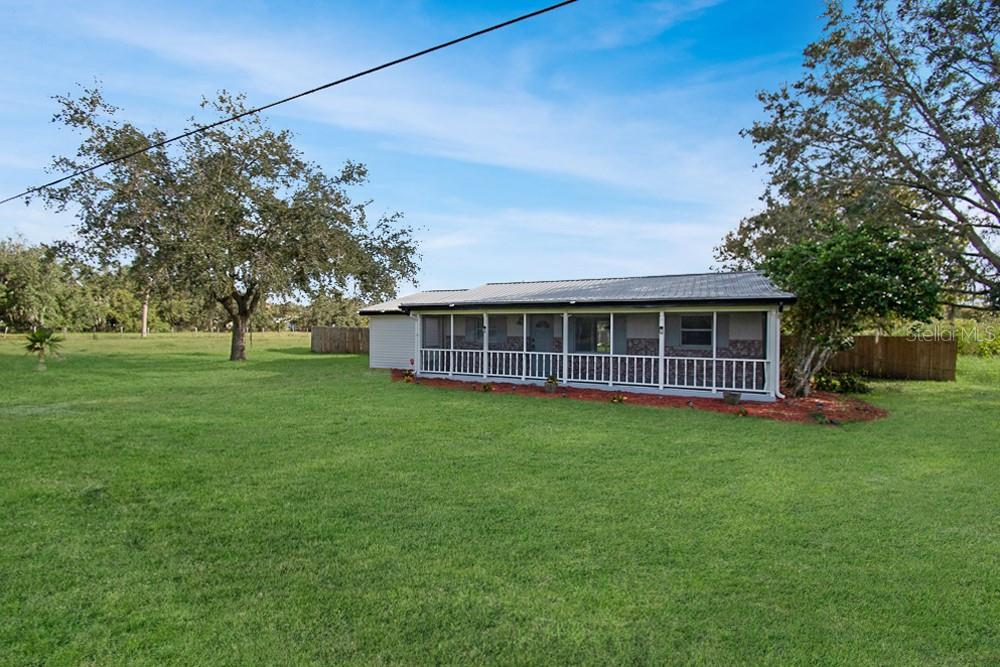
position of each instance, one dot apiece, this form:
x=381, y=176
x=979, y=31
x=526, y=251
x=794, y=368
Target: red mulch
x=820, y=407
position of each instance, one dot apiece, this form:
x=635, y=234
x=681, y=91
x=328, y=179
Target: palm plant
x=43, y=342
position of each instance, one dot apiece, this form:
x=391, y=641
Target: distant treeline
x=39, y=288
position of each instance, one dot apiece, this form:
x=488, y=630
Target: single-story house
x=696, y=334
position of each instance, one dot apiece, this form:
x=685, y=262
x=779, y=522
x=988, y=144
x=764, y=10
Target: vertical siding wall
x=392, y=341
x=898, y=357
x=340, y=340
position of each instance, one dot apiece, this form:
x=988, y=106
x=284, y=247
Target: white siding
x=391, y=341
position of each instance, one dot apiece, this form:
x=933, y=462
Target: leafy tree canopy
x=235, y=213
x=897, y=111
x=844, y=281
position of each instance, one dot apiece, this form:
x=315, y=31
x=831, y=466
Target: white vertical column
x=661, y=347
x=773, y=365
x=611, y=350
x=486, y=344
x=524, y=345
x=715, y=320
x=451, y=344
x=565, y=349
x=418, y=331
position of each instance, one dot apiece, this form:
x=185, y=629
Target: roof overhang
x=578, y=304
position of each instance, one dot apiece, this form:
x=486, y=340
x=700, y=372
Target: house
x=695, y=334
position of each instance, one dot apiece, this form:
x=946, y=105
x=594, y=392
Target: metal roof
x=693, y=287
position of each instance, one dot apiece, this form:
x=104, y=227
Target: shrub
x=850, y=382
x=989, y=347
x=618, y=398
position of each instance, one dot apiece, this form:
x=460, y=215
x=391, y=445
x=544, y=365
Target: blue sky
x=600, y=140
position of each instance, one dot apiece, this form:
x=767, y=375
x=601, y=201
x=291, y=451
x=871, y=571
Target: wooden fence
x=899, y=357
x=340, y=340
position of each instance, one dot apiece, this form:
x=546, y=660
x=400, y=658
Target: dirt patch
x=819, y=408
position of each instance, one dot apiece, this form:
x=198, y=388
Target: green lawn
x=159, y=505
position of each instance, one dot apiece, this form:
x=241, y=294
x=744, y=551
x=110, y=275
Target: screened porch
x=696, y=350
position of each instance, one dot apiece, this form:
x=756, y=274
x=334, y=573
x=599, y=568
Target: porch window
x=592, y=334
x=435, y=331
x=696, y=330
x=499, y=330
x=474, y=329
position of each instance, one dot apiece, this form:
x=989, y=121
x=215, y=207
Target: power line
x=331, y=84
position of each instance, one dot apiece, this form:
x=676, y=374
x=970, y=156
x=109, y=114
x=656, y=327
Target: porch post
x=418, y=330
x=565, y=349
x=660, y=348
x=611, y=351
x=773, y=352
x=451, y=344
x=524, y=345
x=715, y=321
x=486, y=344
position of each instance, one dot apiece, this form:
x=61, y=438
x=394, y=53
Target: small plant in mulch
x=822, y=418
x=618, y=398
x=551, y=383
x=742, y=412
x=409, y=377
x=487, y=387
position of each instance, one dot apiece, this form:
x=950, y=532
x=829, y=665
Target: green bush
x=989, y=347
x=850, y=382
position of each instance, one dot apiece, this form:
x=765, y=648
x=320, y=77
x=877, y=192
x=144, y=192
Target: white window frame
x=709, y=330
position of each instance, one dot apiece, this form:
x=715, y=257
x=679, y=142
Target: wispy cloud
x=634, y=142
x=646, y=20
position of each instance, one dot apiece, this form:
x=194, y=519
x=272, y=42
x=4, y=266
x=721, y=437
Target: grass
x=161, y=506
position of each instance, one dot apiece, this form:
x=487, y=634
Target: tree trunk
x=145, y=315
x=810, y=359
x=241, y=308
x=238, y=348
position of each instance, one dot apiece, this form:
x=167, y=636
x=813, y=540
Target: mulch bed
x=819, y=408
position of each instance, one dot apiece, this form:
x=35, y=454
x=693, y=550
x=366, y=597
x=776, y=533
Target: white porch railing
x=702, y=373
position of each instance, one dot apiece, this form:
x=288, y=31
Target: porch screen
x=434, y=331
x=590, y=333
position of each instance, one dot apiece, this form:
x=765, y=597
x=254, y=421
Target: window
x=434, y=328
x=592, y=334
x=498, y=330
x=473, y=329
x=696, y=330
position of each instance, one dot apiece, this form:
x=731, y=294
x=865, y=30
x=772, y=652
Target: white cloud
x=646, y=20
x=642, y=142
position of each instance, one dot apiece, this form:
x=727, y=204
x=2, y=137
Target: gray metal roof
x=693, y=287
x=442, y=297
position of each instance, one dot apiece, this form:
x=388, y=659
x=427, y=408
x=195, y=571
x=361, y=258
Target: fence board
x=898, y=357
x=340, y=340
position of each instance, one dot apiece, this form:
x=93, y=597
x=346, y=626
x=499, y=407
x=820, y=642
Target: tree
x=123, y=209
x=43, y=342
x=31, y=283
x=850, y=278
x=903, y=99
x=234, y=212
